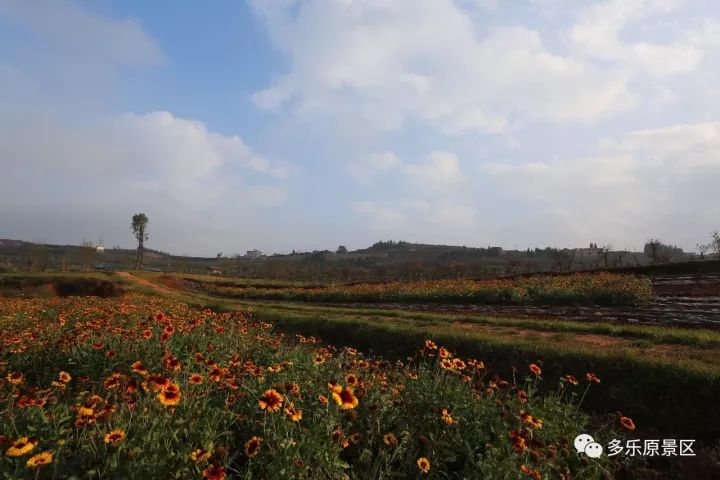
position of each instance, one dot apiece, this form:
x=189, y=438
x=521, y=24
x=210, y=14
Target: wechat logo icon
x=586, y=444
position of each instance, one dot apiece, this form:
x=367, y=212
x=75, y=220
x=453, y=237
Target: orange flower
x=323, y=399
x=271, y=400
x=64, y=377
x=196, y=379
x=137, y=367
x=16, y=378
x=430, y=345
x=423, y=464
x=147, y=334
x=293, y=414
x=200, y=455
x=627, y=423
x=459, y=364
x=446, y=364
x=39, y=460
x=446, y=417
x=21, y=446
x=591, y=377
x=525, y=470
x=115, y=437
x=345, y=398
x=535, y=369
x=390, y=439
x=252, y=446
x=214, y=472
x=170, y=395
x=351, y=379
x=571, y=380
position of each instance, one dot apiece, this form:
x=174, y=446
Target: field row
x=587, y=289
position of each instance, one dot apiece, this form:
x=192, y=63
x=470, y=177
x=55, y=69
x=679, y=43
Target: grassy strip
x=653, y=334
x=677, y=397
x=235, y=281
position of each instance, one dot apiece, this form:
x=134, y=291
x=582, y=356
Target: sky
x=307, y=124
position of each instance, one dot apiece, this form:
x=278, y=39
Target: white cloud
x=154, y=153
x=645, y=182
x=382, y=216
x=507, y=168
x=597, y=35
x=441, y=169
x=425, y=60
x=442, y=221
x=365, y=170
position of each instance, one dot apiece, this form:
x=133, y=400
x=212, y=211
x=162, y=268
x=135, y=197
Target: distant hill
x=382, y=261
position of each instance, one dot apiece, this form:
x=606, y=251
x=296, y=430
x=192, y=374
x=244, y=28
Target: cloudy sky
x=304, y=124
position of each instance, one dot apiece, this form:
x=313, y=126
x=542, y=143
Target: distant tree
x=604, y=253
x=715, y=243
x=661, y=252
x=619, y=257
x=139, y=230
x=87, y=251
x=342, y=249
x=702, y=249
x=651, y=248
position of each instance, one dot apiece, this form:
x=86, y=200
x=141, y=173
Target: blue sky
x=305, y=124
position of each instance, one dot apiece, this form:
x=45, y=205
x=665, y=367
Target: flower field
x=142, y=387
x=595, y=288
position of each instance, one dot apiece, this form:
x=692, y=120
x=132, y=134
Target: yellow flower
x=21, y=446
x=252, y=446
x=85, y=412
x=390, y=439
x=39, y=460
x=423, y=464
x=446, y=417
x=293, y=414
x=115, y=437
x=345, y=398
x=200, y=455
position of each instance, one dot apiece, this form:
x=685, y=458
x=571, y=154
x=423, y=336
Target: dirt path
x=147, y=283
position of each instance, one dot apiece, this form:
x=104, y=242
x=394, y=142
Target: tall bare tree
x=139, y=230
x=604, y=253
x=652, y=246
x=715, y=243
